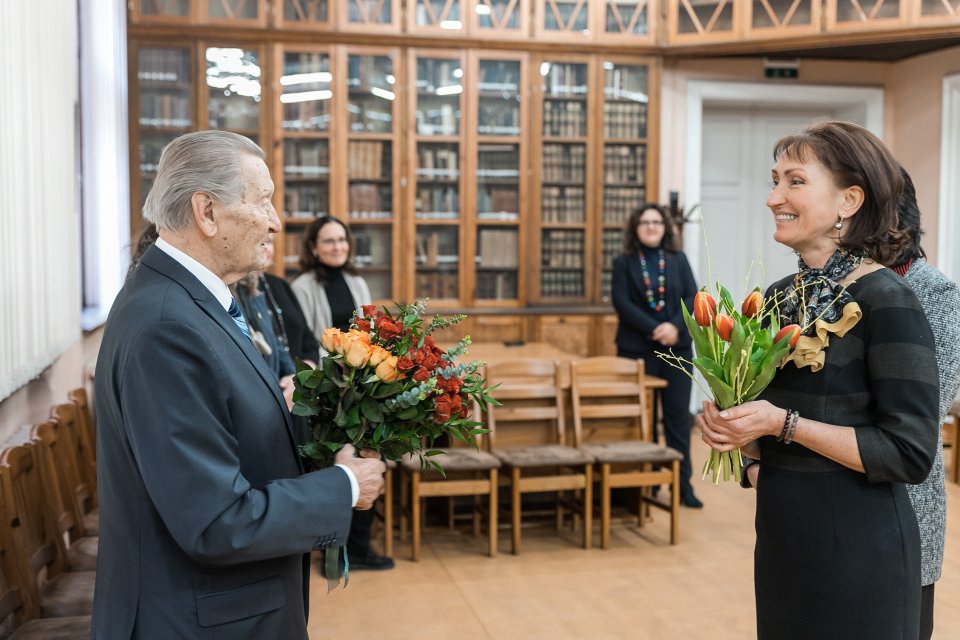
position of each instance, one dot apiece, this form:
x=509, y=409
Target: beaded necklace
x=661, y=282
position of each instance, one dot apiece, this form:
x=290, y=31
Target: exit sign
x=781, y=69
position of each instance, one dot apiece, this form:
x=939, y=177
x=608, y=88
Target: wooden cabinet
x=571, y=333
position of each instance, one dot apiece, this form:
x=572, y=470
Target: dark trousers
x=926, y=612
x=358, y=542
x=675, y=400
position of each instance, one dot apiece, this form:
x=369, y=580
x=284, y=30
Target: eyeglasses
x=650, y=223
x=329, y=242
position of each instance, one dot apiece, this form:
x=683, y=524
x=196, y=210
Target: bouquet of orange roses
x=737, y=352
x=385, y=385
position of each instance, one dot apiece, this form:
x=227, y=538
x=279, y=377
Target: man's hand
x=368, y=470
x=286, y=388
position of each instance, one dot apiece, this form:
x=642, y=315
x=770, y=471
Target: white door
x=737, y=246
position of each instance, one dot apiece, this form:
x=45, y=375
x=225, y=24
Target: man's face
x=245, y=227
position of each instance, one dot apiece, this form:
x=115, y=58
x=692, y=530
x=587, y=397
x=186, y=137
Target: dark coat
x=629, y=299
x=206, y=516
x=303, y=344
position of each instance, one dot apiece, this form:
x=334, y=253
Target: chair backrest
x=36, y=541
x=57, y=463
x=86, y=429
x=609, y=401
x=12, y=607
x=83, y=478
x=531, y=398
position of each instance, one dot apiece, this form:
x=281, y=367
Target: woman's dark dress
x=838, y=551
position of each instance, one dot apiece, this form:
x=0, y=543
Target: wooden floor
x=641, y=588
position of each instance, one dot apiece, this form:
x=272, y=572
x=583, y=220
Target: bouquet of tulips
x=737, y=352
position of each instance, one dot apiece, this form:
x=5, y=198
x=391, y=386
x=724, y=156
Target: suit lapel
x=208, y=304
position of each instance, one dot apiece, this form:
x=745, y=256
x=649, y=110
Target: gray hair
x=206, y=161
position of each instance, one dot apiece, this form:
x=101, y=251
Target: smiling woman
x=833, y=516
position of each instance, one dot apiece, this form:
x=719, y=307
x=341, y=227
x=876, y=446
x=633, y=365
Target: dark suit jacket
x=205, y=513
x=629, y=299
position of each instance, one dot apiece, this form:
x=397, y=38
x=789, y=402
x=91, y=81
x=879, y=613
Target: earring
x=839, y=224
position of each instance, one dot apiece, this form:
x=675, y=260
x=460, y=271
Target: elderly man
x=206, y=516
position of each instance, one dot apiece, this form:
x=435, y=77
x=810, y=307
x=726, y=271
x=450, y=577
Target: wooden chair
x=16, y=619
x=83, y=484
x=469, y=472
x=54, y=457
x=612, y=422
x=86, y=432
x=49, y=589
x=528, y=435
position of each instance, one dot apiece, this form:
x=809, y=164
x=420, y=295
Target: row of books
x=437, y=72
x=368, y=159
x=233, y=112
x=611, y=247
x=436, y=162
x=367, y=115
x=306, y=201
x=437, y=119
x=564, y=163
x=499, y=75
x=437, y=247
x=624, y=120
x=437, y=285
x=164, y=65
x=301, y=62
x=301, y=155
x=369, y=71
x=561, y=204
x=498, y=248
x=619, y=203
x=497, y=286
x=498, y=118
x=498, y=200
x=562, y=248
x=566, y=79
x=371, y=247
x=561, y=284
x=623, y=163
x=564, y=118
x=164, y=110
x=438, y=200
x=312, y=115
x=498, y=161
x=373, y=198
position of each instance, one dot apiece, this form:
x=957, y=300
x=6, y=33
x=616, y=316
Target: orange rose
x=355, y=351
x=377, y=355
x=387, y=370
x=330, y=340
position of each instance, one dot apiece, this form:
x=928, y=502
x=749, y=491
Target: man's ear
x=852, y=200
x=203, y=213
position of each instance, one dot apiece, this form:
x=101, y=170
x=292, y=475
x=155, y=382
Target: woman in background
x=330, y=291
x=650, y=280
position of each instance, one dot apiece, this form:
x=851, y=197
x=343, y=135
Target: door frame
x=948, y=232
x=865, y=102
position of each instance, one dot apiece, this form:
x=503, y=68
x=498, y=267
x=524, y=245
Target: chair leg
x=604, y=506
x=493, y=513
x=515, y=495
x=415, y=515
x=477, y=524
x=388, y=514
x=675, y=503
x=404, y=505
x=588, y=507
x=955, y=449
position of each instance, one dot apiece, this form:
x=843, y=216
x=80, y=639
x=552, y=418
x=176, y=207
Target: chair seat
x=83, y=554
x=69, y=594
x=549, y=455
x=91, y=522
x=457, y=459
x=630, y=451
x=72, y=628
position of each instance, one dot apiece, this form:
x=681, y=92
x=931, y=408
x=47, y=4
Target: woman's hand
x=666, y=334
x=739, y=426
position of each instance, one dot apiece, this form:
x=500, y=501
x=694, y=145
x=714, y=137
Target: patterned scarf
x=816, y=293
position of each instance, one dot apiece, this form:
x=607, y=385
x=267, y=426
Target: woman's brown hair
x=856, y=157
x=310, y=263
x=631, y=243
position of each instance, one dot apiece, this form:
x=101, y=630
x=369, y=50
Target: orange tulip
x=753, y=304
x=792, y=329
x=704, y=308
x=724, y=324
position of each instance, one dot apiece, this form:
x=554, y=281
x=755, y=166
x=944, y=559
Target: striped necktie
x=237, y=316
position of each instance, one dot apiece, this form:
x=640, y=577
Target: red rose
x=387, y=329
x=363, y=325
x=441, y=409
x=404, y=364
x=422, y=375
x=465, y=410
x=455, y=404
x=430, y=361
x=428, y=342
x=369, y=310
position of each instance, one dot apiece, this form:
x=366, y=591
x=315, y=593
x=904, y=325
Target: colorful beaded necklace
x=661, y=282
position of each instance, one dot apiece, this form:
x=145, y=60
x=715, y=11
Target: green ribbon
x=331, y=567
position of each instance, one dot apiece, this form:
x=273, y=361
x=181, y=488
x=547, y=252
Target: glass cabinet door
x=564, y=20
x=499, y=191
x=304, y=14
x=437, y=178
x=501, y=18
x=625, y=111
x=165, y=106
x=626, y=17
x=160, y=9
x=563, y=179
x=306, y=96
x=233, y=90
x=371, y=105
x=437, y=16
